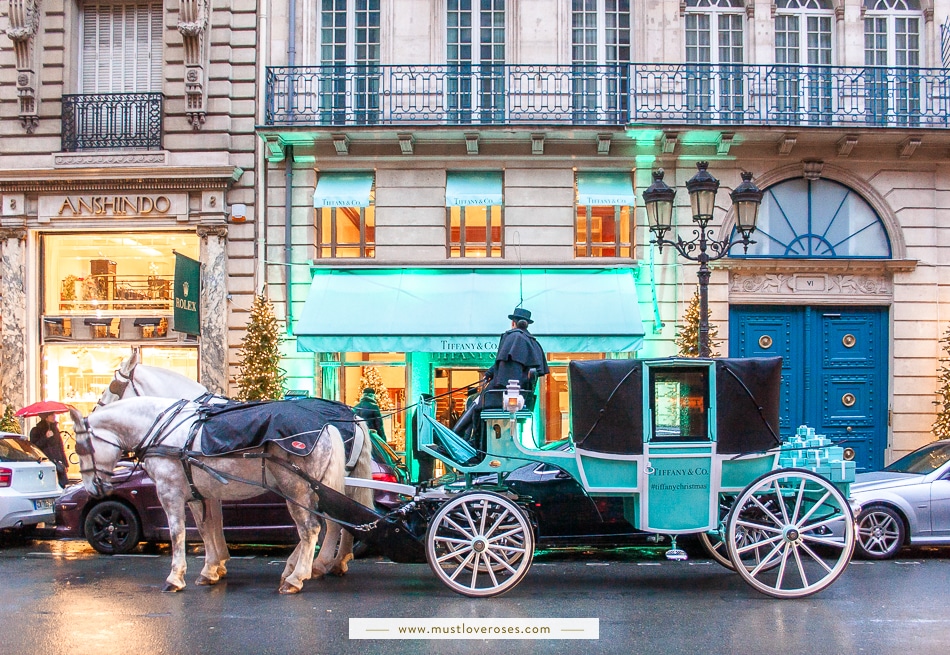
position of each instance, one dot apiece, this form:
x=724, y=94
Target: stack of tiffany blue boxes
x=815, y=452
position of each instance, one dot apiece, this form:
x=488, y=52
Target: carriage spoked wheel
x=480, y=544
x=715, y=544
x=790, y=533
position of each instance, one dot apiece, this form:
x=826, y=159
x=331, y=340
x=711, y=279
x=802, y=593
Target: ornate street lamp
x=703, y=247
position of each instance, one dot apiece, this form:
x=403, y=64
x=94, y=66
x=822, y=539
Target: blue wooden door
x=834, y=370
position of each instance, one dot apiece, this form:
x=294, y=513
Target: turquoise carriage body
x=691, y=446
x=669, y=436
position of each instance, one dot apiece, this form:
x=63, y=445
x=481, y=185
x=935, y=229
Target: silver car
x=28, y=486
x=907, y=503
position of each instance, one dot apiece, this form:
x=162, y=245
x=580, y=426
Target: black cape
x=518, y=353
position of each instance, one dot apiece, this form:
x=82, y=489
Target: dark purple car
x=132, y=513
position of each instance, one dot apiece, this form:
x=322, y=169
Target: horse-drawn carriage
x=691, y=447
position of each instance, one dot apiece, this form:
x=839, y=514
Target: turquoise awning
x=600, y=189
x=472, y=188
x=343, y=190
x=465, y=310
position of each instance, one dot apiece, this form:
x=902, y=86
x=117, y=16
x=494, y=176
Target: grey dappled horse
x=133, y=378
x=158, y=430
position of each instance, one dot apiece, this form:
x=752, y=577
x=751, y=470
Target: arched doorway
x=809, y=302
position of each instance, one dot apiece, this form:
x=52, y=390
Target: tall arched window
x=817, y=218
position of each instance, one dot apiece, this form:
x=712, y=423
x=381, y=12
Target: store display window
x=604, y=224
x=345, y=214
x=111, y=274
x=77, y=374
x=474, y=225
x=386, y=374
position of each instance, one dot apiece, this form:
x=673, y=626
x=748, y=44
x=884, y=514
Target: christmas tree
x=260, y=376
x=9, y=423
x=941, y=427
x=688, y=339
x=372, y=378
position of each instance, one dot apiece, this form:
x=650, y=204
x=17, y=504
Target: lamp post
x=703, y=247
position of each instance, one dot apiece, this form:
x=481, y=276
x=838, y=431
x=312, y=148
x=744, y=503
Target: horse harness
x=151, y=446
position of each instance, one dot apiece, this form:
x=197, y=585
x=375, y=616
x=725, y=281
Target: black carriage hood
x=607, y=404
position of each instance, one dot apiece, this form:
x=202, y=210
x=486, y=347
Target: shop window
x=120, y=273
x=77, y=374
x=474, y=225
x=475, y=231
x=603, y=225
x=386, y=374
x=345, y=215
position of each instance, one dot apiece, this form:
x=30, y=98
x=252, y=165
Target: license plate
x=44, y=503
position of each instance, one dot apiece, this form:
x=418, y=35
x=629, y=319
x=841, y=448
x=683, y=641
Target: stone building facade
x=380, y=116
x=127, y=137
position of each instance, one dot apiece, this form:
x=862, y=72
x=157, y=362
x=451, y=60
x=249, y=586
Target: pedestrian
x=45, y=436
x=520, y=357
x=368, y=410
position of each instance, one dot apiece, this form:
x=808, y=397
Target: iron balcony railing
x=653, y=94
x=112, y=121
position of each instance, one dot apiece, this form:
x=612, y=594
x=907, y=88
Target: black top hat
x=521, y=314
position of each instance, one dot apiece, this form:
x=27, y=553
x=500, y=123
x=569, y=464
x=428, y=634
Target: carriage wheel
x=715, y=545
x=790, y=533
x=480, y=544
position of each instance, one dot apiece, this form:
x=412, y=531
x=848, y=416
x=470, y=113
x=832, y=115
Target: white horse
x=157, y=430
x=133, y=378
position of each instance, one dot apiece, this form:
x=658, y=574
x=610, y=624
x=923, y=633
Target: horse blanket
x=294, y=425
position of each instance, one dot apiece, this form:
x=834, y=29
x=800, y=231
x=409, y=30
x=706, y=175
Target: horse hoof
x=172, y=588
x=340, y=570
x=204, y=581
x=287, y=588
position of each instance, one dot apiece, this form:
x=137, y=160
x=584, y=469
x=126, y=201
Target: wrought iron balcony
x=641, y=94
x=112, y=121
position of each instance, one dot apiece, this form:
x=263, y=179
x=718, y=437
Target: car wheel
x=880, y=532
x=113, y=528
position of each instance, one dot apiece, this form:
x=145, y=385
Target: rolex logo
x=184, y=289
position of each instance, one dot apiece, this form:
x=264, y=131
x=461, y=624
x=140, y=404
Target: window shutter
x=121, y=47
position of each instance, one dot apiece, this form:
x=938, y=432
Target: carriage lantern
x=703, y=248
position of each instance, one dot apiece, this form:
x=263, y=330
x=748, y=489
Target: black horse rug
x=294, y=425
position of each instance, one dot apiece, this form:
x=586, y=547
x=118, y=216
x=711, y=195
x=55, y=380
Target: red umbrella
x=43, y=407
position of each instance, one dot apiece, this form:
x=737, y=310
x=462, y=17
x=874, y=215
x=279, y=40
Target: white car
x=28, y=485
x=908, y=503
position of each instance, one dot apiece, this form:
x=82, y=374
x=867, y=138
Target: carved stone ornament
x=205, y=231
x=808, y=284
x=24, y=22
x=193, y=26
x=18, y=233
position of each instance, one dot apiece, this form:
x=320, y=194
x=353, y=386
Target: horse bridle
x=120, y=382
x=84, y=446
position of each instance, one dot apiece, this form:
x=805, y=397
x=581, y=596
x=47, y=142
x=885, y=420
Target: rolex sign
x=187, y=294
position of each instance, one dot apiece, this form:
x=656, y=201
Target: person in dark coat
x=520, y=357
x=368, y=410
x=45, y=436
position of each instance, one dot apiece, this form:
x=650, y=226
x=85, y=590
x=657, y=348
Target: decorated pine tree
x=372, y=378
x=941, y=427
x=9, y=423
x=688, y=339
x=260, y=376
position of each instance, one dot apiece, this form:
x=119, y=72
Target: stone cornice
x=868, y=266
x=183, y=178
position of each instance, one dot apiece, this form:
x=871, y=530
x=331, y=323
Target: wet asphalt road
x=62, y=597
